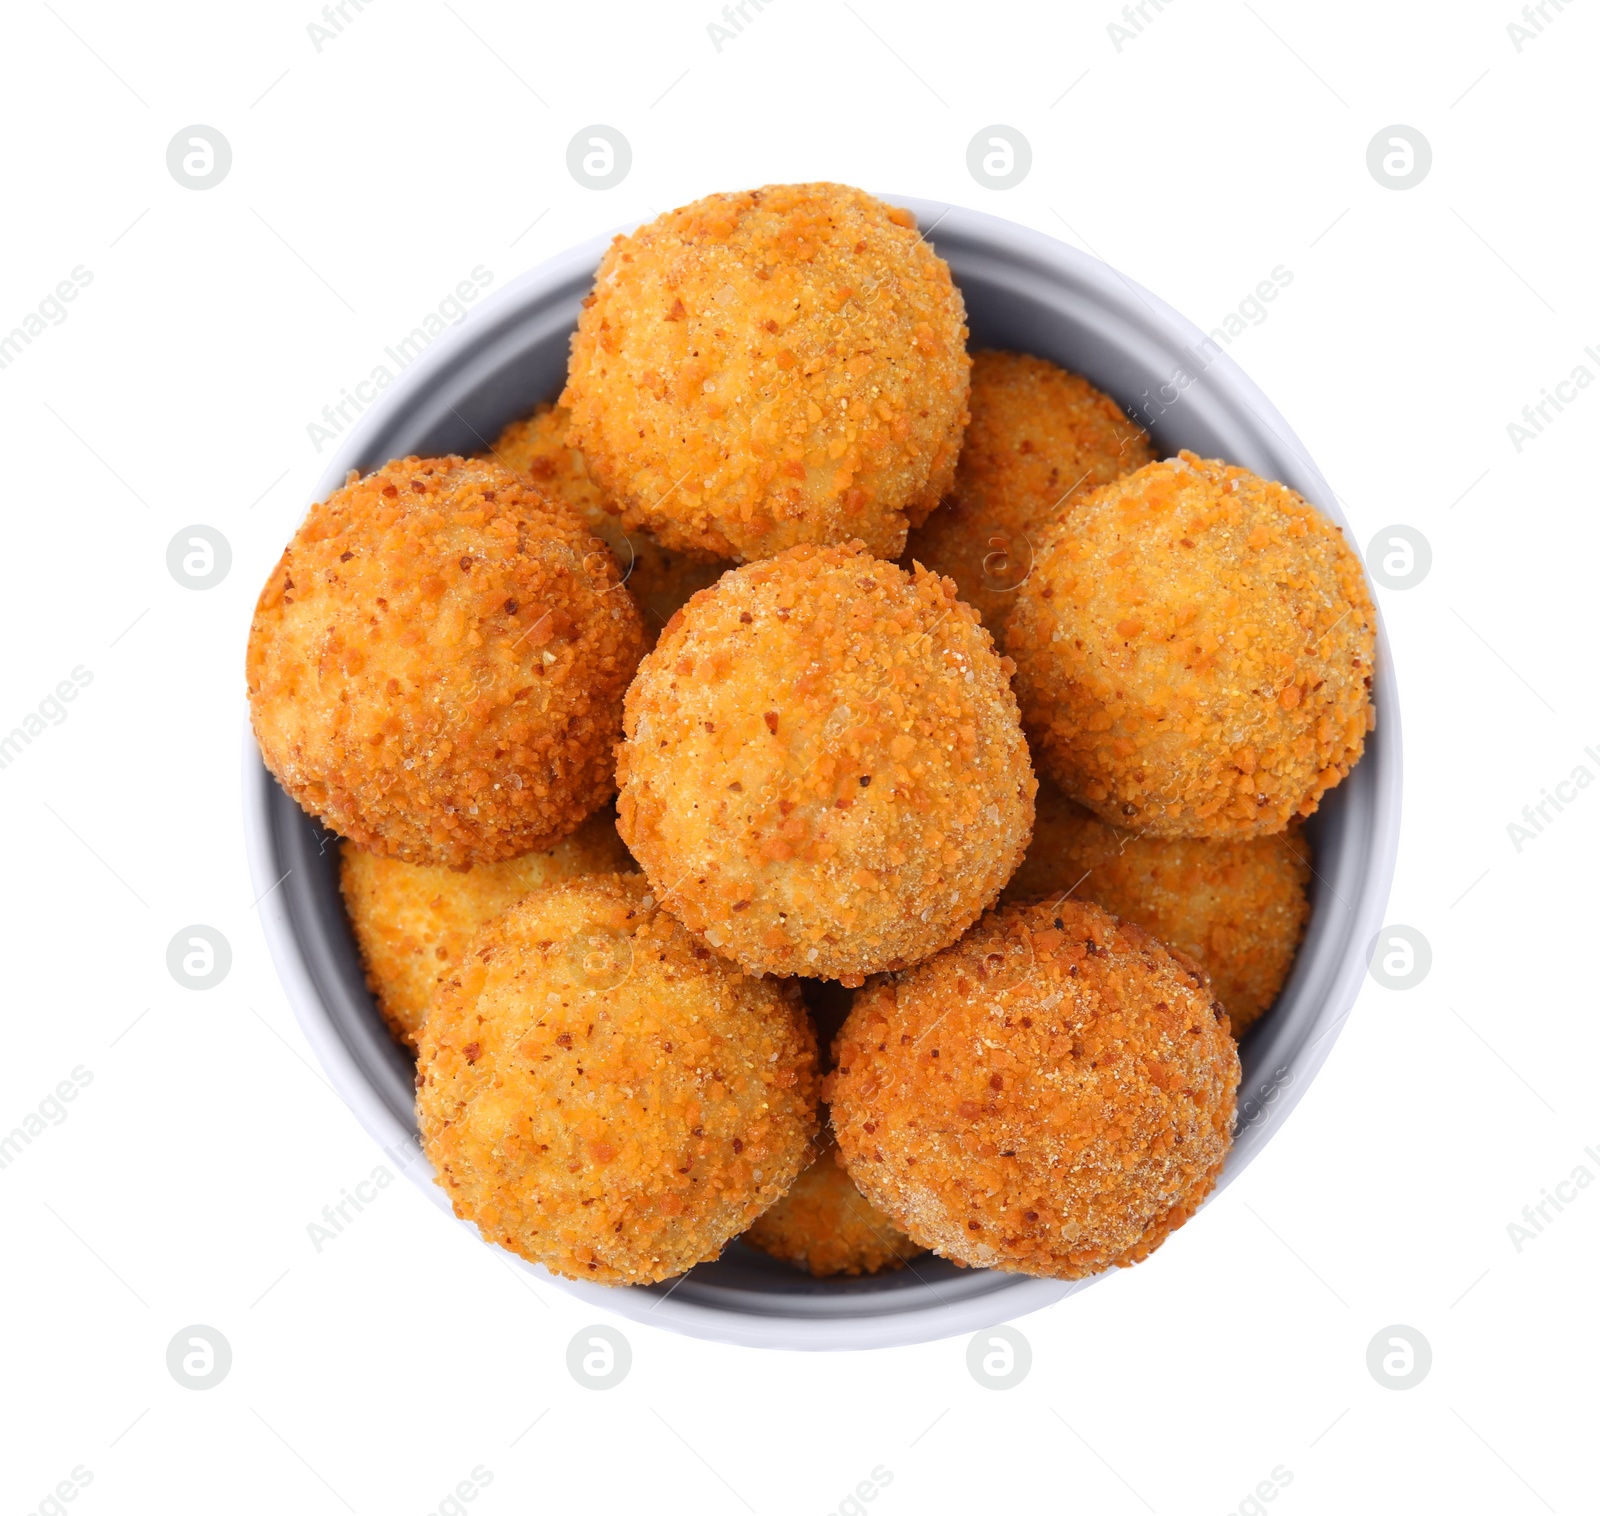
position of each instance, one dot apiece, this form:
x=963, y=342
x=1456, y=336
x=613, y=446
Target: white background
x=367, y=180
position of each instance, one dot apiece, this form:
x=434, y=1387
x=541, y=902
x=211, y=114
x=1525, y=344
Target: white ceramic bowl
x=1025, y=291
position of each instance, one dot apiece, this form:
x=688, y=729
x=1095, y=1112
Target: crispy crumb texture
x=1236, y=904
x=1040, y=440
x=825, y=1226
x=412, y=921
x=1053, y=1096
x=1194, y=652
x=437, y=663
x=602, y=1094
x=770, y=367
x=658, y=578
x=823, y=771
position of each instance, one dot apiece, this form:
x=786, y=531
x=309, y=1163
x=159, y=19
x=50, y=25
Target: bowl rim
x=1012, y=1295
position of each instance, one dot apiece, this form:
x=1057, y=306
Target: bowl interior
x=1022, y=291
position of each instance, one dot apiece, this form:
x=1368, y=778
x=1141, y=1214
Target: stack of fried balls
x=684, y=746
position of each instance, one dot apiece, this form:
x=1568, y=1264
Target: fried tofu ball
x=1052, y=1096
x=1235, y=904
x=1194, y=652
x=823, y=771
x=437, y=664
x=661, y=581
x=1040, y=439
x=825, y=1226
x=602, y=1094
x=771, y=367
x=412, y=921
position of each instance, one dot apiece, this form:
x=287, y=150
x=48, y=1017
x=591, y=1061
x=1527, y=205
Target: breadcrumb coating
x=1235, y=904
x=1040, y=439
x=602, y=1094
x=661, y=581
x=412, y=921
x=1194, y=652
x=1052, y=1096
x=825, y=1225
x=771, y=367
x=437, y=663
x=823, y=771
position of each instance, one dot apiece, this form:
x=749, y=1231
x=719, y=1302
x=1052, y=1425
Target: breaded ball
x=437, y=664
x=825, y=1226
x=1040, y=439
x=771, y=367
x=1194, y=652
x=823, y=771
x=1236, y=904
x=661, y=581
x=1053, y=1095
x=412, y=921
x=601, y=1093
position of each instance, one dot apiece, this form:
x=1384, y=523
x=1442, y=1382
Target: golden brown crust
x=602, y=1094
x=412, y=921
x=659, y=579
x=437, y=663
x=1040, y=439
x=1194, y=652
x=1053, y=1095
x=771, y=367
x=825, y=1225
x=823, y=771
x=1235, y=904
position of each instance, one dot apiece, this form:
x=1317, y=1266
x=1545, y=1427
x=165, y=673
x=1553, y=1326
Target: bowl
x=1024, y=291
